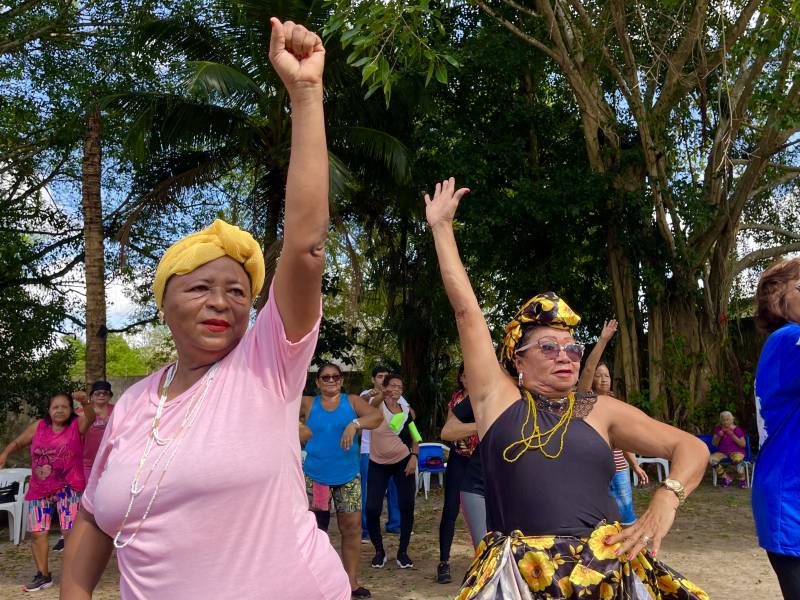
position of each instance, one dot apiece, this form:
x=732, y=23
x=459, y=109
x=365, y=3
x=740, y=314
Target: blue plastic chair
x=431, y=450
x=748, y=462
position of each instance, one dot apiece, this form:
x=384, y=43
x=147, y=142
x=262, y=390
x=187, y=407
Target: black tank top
x=568, y=495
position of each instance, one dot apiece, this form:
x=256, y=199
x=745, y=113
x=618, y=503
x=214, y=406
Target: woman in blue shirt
x=331, y=466
x=776, y=481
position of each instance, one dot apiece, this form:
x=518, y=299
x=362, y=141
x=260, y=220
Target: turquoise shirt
x=326, y=462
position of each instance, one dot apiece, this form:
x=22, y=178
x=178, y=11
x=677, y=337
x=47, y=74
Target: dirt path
x=713, y=543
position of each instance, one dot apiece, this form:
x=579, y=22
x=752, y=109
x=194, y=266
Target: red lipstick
x=216, y=324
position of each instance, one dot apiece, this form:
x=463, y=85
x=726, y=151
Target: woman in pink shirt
x=198, y=482
x=57, y=474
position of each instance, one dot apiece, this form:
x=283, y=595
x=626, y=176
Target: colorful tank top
x=56, y=460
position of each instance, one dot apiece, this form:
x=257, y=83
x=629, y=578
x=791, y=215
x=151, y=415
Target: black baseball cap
x=101, y=385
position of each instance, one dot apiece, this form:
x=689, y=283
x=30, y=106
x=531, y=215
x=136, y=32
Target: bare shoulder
x=489, y=406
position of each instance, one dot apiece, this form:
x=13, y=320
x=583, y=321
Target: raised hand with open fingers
x=609, y=329
x=442, y=208
x=297, y=55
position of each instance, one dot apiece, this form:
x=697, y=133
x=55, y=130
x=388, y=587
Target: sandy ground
x=713, y=543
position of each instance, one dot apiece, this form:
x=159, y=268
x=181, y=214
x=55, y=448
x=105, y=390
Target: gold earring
x=519, y=379
x=161, y=317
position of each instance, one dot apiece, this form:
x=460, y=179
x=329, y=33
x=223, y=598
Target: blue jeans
x=393, y=524
x=621, y=491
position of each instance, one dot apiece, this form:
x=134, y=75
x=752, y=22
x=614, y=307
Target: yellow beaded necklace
x=538, y=440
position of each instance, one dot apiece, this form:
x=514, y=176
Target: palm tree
x=94, y=249
x=228, y=114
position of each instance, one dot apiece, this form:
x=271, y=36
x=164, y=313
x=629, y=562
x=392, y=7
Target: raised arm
x=87, y=416
x=21, y=441
x=487, y=380
x=587, y=375
x=299, y=58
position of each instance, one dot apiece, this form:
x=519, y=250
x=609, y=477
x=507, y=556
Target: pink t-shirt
x=231, y=518
x=55, y=460
x=91, y=440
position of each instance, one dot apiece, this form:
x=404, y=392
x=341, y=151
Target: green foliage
x=385, y=39
x=34, y=364
x=125, y=360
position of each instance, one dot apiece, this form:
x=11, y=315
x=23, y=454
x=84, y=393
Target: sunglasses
x=330, y=378
x=551, y=349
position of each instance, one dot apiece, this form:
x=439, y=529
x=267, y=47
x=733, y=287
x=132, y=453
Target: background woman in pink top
x=198, y=482
x=57, y=474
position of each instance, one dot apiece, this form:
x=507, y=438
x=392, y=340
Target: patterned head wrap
x=197, y=249
x=543, y=309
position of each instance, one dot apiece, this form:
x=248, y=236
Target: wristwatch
x=356, y=423
x=676, y=487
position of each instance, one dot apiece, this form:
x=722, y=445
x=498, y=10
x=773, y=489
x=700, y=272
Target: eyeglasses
x=330, y=378
x=551, y=349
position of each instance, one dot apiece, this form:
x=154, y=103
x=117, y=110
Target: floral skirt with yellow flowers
x=517, y=567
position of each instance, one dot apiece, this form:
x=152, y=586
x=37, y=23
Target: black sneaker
x=443, y=573
x=379, y=560
x=59, y=547
x=403, y=561
x=39, y=582
x=360, y=592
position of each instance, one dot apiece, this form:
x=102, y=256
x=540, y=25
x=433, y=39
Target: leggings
x=474, y=507
x=453, y=476
x=787, y=568
x=379, y=476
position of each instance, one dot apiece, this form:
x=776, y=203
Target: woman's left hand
x=411, y=466
x=347, y=436
x=650, y=528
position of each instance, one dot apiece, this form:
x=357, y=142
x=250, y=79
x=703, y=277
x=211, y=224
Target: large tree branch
x=517, y=31
x=753, y=258
x=678, y=83
x=144, y=321
x=46, y=279
x=771, y=228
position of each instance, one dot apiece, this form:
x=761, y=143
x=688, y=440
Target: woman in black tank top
x=547, y=455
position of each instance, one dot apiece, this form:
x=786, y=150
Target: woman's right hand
x=609, y=329
x=442, y=208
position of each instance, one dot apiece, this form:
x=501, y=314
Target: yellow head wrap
x=197, y=249
x=543, y=309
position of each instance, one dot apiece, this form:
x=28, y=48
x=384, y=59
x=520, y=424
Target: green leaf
x=367, y=71
x=441, y=73
x=431, y=66
x=372, y=89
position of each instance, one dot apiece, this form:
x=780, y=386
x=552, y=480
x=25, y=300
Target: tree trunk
x=624, y=300
x=94, y=251
x=655, y=361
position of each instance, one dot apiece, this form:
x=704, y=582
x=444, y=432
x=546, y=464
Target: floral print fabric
x=556, y=567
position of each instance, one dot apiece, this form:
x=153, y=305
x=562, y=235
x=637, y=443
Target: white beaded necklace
x=167, y=444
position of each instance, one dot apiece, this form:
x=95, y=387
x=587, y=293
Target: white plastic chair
x=661, y=464
x=424, y=474
x=17, y=509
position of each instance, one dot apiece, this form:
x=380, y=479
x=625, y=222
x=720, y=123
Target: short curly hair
x=771, y=294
